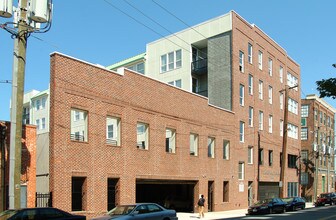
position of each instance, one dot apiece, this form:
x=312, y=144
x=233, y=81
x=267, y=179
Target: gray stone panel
x=219, y=71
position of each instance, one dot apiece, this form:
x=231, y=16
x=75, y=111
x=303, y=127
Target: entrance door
x=323, y=184
x=23, y=196
x=250, y=193
x=210, y=195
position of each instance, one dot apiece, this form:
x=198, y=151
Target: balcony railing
x=77, y=137
x=199, y=67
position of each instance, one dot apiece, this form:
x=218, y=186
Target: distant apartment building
x=28, y=168
x=318, y=147
x=36, y=112
x=238, y=68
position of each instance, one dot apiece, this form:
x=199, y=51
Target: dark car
x=294, y=203
x=139, y=211
x=326, y=198
x=267, y=206
x=39, y=214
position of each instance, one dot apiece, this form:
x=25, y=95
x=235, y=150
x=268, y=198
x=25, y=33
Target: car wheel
x=284, y=209
x=271, y=211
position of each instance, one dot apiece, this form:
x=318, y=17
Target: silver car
x=148, y=211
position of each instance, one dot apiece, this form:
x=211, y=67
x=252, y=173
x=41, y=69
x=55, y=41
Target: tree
x=327, y=88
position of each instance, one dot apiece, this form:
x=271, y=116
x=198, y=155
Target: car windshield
x=121, y=210
x=324, y=195
x=287, y=199
x=6, y=214
x=265, y=201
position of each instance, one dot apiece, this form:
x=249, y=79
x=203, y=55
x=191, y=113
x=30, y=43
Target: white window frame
x=261, y=120
x=250, y=53
x=304, y=133
x=142, y=136
x=193, y=144
x=270, y=95
x=250, y=155
x=250, y=84
x=38, y=124
x=261, y=90
x=281, y=127
x=305, y=111
x=241, y=95
x=241, y=61
x=281, y=74
x=114, y=123
x=270, y=66
x=241, y=171
x=211, y=147
x=226, y=149
x=170, y=140
x=281, y=100
x=251, y=111
x=43, y=123
x=292, y=81
x=260, y=60
x=270, y=124
x=241, y=131
x=79, y=125
x=171, y=61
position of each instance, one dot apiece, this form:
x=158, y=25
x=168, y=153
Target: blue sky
x=96, y=32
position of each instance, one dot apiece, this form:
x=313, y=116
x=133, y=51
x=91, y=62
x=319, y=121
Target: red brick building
x=120, y=137
x=318, y=147
x=28, y=163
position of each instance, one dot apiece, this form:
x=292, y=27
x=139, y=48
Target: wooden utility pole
x=284, y=143
x=19, y=62
x=258, y=178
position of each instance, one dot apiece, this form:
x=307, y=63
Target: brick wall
x=28, y=161
x=134, y=98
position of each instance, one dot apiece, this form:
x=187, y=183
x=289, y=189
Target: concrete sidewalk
x=221, y=214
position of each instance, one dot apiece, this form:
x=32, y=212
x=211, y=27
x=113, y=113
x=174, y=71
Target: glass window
x=250, y=51
x=38, y=124
x=171, y=61
x=193, y=144
x=226, y=149
x=250, y=155
x=43, y=103
x=304, y=111
x=241, y=131
x=79, y=125
x=270, y=157
x=170, y=140
x=270, y=94
x=270, y=66
x=250, y=84
x=261, y=120
x=163, y=63
x=270, y=124
x=281, y=127
x=241, y=94
x=43, y=125
x=261, y=85
x=211, y=147
x=281, y=100
x=260, y=58
x=241, y=171
x=261, y=156
x=38, y=104
x=241, y=61
x=142, y=136
x=178, y=58
x=250, y=116
x=113, y=131
x=281, y=74
x=304, y=133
